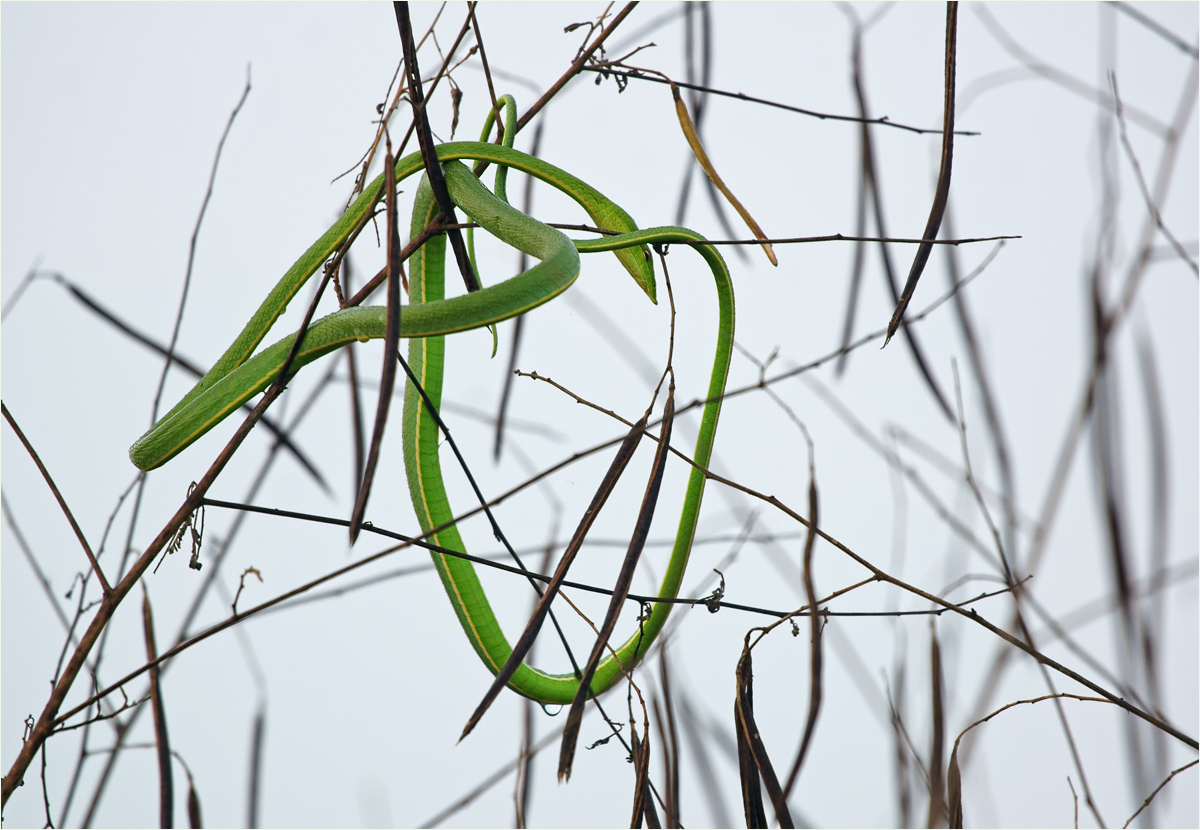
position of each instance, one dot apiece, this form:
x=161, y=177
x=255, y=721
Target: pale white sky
x=110, y=115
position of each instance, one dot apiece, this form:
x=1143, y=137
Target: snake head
x=640, y=265
x=637, y=259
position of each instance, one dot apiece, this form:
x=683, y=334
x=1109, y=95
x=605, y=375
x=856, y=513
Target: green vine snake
x=237, y=375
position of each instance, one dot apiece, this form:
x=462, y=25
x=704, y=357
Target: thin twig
x=605, y=69
x=187, y=277
x=1152, y=208
x=191, y=368
x=576, y=67
x=87, y=549
x=108, y=605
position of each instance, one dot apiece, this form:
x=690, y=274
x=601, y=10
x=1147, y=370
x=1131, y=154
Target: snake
x=240, y=373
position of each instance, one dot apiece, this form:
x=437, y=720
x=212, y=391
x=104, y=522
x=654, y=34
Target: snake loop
x=237, y=376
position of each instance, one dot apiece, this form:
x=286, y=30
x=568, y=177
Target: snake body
x=238, y=376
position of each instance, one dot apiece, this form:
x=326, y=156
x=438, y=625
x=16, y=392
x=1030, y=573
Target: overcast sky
x=110, y=117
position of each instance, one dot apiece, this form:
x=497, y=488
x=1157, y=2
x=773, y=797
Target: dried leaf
x=620, y=588
x=525, y=641
x=693, y=140
x=748, y=732
x=954, y=791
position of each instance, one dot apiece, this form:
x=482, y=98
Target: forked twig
x=46, y=721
